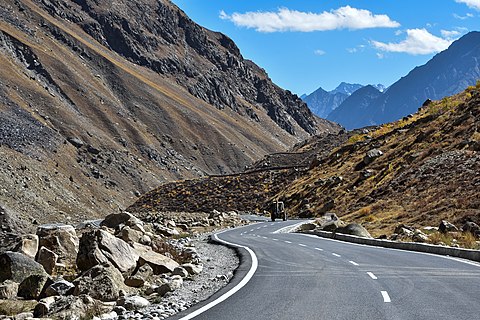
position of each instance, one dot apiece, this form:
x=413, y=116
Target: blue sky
x=307, y=44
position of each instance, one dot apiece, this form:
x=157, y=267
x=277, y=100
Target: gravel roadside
x=219, y=264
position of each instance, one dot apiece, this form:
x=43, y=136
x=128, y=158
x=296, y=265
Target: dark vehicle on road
x=277, y=211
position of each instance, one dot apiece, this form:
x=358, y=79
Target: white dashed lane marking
x=354, y=263
x=386, y=297
x=287, y=241
x=301, y=245
x=374, y=277
x=336, y=255
x=275, y=239
x=319, y=249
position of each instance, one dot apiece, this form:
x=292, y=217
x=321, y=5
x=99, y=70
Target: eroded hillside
x=418, y=171
x=100, y=103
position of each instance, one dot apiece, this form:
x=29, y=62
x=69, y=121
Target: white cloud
x=418, y=41
x=291, y=20
x=319, y=52
x=450, y=34
x=474, y=4
x=465, y=17
x=359, y=48
x=380, y=55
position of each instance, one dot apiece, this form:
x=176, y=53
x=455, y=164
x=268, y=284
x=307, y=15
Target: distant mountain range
x=323, y=102
x=447, y=73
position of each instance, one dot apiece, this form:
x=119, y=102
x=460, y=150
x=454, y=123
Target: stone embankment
x=117, y=268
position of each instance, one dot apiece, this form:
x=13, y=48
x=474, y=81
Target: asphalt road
x=306, y=277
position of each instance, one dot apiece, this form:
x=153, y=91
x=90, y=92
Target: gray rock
x=446, y=226
x=61, y=239
x=133, y=302
x=354, y=229
x=114, y=220
x=129, y=235
x=100, y=282
x=179, y=271
x=308, y=226
x=471, y=227
x=76, y=142
x=159, y=263
x=332, y=225
x=98, y=247
x=419, y=236
x=33, y=286
x=135, y=281
x=17, y=267
x=192, y=269
x=48, y=259
x=8, y=289
x=372, y=155
x=60, y=288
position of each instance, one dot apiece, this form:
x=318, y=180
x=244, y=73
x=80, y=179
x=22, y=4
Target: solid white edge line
x=354, y=263
x=232, y=291
x=374, y=277
x=472, y=263
x=386, y=297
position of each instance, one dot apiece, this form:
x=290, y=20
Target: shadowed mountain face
x=101, y=101
x=448, y=73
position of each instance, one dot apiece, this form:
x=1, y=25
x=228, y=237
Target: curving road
x=305, y=277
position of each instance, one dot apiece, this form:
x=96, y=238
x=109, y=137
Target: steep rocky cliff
x=101, y=101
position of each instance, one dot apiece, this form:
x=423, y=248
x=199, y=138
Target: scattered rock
x=446, y=226
x=129, y=235
x=471, y=227
x=114, y=220
x=133, y=302
x=32, y=287
x=48, y=259
x=28, y=245
x=371, y=155
x=8, y=289
x=100, y=282
x=419, y=236
x=404, y=230
x=192, y=269
x=60, y=287
x=61, y=239
x=180, y=271
x=308, y=226
x=159, y=263
x=76, y=142
x=99, y=246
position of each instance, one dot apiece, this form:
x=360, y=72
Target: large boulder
x=17, y=267
x=28, y=245
x=60, y=287
x=48, y=259
x=332, y=225
x=33, y=286
x=99, y=246
x=61, y=239
x=115, y=220
x=102, y=282
x=159, y=263
x=354, y=229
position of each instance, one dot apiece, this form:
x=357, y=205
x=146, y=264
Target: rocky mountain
x=323, y=102
x=100, y=101
x=417, y=171
x=354, y=106
x=448, y=73
x=346, y=88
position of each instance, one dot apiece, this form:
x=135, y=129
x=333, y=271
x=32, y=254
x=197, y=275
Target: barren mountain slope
x=89, y=119
x=418, y=171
